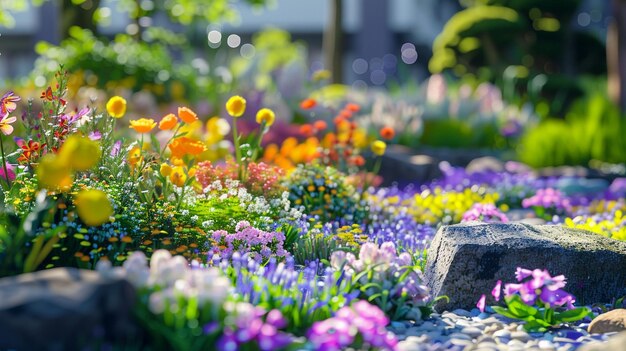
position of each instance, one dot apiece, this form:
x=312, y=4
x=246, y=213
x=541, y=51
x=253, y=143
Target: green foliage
x=593, y=129
x=26, y=241
x=460, y=134
x=539, y=319
x=489, y=37
x=135, y=65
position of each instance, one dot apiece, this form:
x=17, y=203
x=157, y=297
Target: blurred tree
x=86, y=14
x=333, y=41
x=616, y=54
x=527, y=44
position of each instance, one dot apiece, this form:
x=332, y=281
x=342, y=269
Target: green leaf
x=505, y=312
x=518, y=307
x=573, y=315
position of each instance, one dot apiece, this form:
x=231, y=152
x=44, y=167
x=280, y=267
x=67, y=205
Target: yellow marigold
x=54, y=174
x=265, y=115
x=134, y=156
x=165, y=169
x=116, y=106
x=379, y=147
x=80, y=153
x=93, y=207
x=168, y=122
x=143, y=125
x=178, y=176
x=187, y=115
x=236, y=106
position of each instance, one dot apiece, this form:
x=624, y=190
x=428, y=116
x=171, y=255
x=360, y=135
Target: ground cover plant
x=254, y=245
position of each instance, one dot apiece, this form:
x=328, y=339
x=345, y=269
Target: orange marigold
x=387, y=133
x=308, y=104
x=353, y=108
x=320, y=125
x=187, y=115
x=168, y=122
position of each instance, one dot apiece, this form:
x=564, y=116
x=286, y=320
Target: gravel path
x=472, y=330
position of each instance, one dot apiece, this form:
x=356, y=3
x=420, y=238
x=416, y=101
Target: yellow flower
x=143, y=125
x=236, y=106
x=93, y=206
x=134, y=156
x=178, y=176
x=165, y=170
x=54, y=174
x=187, y=115
x=265, y=115
x=80, y=153
x=116, y=107
x=168, y=122
x=379, y=147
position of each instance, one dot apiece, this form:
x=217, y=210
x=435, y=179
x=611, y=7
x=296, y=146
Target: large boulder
x=65, y=309
x=466, y=260
x=612, y=321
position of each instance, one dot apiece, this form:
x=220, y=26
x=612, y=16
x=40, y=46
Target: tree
x=616, y=54
x=333, y=41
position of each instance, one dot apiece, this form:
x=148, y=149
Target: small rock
x=520, y=335
x=462, y=313
x=612, y=321
x=546, y=345
x=502, y=333
x=473, y=332
x=616, y=343
x=460, y=336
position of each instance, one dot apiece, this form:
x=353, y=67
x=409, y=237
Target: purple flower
x=95, y=135
x=521, y=273
x=481, y=303
x=497, y=290
x=275, y=318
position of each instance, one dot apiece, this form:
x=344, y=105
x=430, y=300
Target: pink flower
x=5, y=124
x=497, y=290
x=481, y=303
x=10, y=171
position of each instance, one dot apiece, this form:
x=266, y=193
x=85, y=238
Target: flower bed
x=239, y=246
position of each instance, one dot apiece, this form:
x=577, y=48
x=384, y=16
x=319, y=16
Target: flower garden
x=275, y=217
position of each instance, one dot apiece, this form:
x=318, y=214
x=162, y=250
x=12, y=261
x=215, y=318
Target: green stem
x=4, y=163
x=237, y=151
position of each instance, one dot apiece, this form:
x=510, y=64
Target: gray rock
x=64, y=309
x=612, y=321
x=466, y=260
x=616, y=343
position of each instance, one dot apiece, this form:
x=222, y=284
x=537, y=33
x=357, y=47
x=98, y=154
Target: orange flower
x=320, y=125
x=358, y=161
x=353, y=108
x=168, y=122
x=308, y=104
x=143, y=125
x=187, y=115
x=345, y=114
x=185, y=146
x=134, y=156
x=306, y=130
x=387, y=133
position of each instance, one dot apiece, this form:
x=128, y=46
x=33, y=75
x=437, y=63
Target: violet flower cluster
x=484, y=212
x=390, y=272
x=535, y=287
x=249, y=324
x=345, y=327
x=260, y=244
